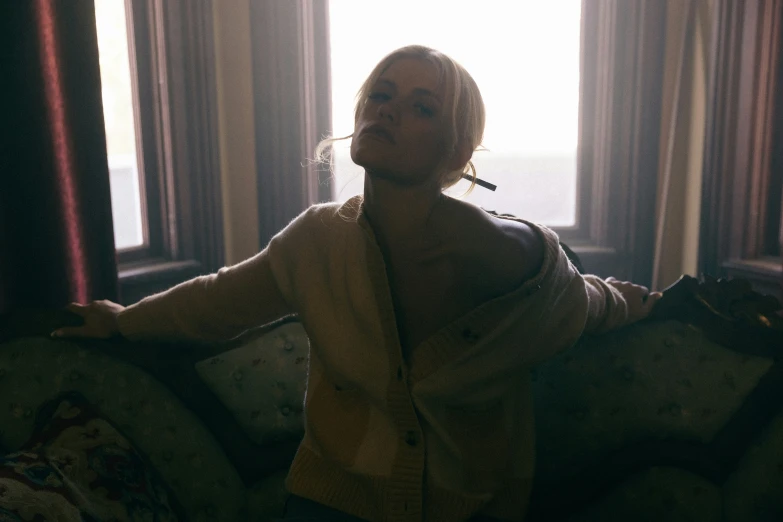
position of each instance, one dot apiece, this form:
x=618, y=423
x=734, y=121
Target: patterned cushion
x=657, y=422
x=659, y=378
x=77, y=466
x=33, y=370
x=263, y=383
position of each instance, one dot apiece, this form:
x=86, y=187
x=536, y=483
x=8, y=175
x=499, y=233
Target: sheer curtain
x=682, y=141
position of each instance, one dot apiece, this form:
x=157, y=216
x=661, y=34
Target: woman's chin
x=367, y=160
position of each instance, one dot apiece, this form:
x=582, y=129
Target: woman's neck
x=399, y=213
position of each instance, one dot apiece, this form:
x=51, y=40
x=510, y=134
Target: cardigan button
x=410, y=438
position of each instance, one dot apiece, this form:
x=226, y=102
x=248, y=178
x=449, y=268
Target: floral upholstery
x=34, y=370
x=657, y=422
x=76, y=467
x=662, y=378
x=263, y=383
x=623, y=393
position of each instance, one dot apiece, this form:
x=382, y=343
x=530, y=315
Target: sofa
x=678, y=417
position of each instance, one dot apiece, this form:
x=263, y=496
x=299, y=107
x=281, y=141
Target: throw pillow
x=262, y=383
x=78, y=466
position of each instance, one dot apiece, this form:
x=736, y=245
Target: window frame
x=171, y=48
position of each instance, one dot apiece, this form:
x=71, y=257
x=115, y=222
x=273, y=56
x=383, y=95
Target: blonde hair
x=462, y=97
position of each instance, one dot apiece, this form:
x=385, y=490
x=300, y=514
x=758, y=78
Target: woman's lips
x=380, y=132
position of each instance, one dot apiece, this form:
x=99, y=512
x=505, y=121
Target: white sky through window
x=524, y=56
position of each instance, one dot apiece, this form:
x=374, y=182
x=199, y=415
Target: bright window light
x=524, y=56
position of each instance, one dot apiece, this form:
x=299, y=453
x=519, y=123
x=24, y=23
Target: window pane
x=120, y=125
x=524, y=56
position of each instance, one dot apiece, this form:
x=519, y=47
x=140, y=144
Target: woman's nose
x=388, y=111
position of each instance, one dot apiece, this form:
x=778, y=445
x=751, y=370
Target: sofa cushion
x=78, y=466
x=657, y=494
x=266, y=499
x=754, y=492
x=35, y=369
x=262, y=382
x=660, y=421
x=661, y=379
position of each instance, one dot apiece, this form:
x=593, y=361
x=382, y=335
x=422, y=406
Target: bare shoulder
x=527, y=242
x=510, y=250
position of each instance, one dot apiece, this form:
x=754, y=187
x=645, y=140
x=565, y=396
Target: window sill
x=765, y=274
x=140, y=279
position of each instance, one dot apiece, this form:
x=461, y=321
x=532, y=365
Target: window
x=609, y=216
x=119, y=122
x=524, y=56
x=157, y=71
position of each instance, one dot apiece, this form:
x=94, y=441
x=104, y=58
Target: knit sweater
x=442, y=436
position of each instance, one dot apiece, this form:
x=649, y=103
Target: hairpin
x=481, y=182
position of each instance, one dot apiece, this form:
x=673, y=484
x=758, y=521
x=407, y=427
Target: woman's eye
x=379, y=96
x=424, y=110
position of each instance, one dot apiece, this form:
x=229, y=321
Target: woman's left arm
x=613, y=303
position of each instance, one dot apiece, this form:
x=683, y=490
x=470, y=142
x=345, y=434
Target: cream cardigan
x=443, y=437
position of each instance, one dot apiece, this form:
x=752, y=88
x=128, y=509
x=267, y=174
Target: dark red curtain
x=56, y=237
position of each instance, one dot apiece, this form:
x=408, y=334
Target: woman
x=424, y=314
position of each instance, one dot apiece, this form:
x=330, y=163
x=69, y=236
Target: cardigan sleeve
x=223, y=305
x=607, y=308
x=567, y=304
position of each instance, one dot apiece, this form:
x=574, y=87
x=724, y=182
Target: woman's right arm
x=217, y=307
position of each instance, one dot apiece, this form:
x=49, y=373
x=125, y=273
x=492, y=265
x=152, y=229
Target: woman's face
x=399, y=134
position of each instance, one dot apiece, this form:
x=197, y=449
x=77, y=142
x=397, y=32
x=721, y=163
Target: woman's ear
x=460, y=158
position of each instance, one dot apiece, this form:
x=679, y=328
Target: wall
x=237, y=128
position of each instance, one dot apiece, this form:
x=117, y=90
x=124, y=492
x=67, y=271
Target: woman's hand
x=100, y=320
x=639, y=299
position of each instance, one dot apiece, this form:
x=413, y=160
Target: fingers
x=638, y=298
x=648, y=303
x=77, y=308
x=70, y=331
x=653, y=298
x=74, y=331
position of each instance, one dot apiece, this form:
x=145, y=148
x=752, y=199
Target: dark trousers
x=300, y=509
